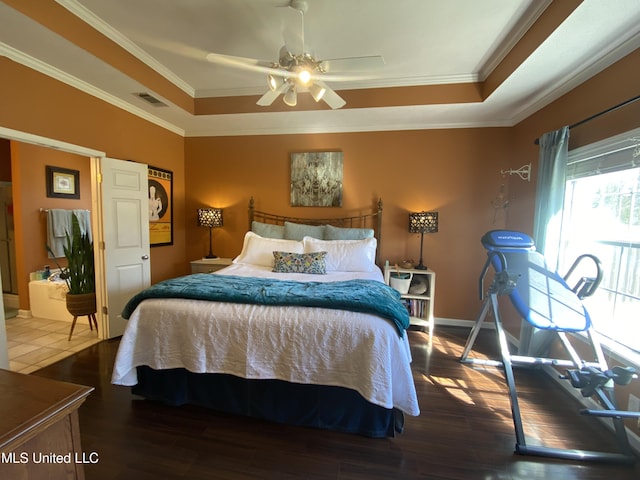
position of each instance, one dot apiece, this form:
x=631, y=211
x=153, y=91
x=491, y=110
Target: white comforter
x=296, y=344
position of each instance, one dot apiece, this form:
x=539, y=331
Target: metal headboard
x=368, y=220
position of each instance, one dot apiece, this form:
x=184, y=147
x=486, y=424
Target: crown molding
x=223, y=129
x=512, y=37
x=114, y=35
x=360, y=128
x=566, y=84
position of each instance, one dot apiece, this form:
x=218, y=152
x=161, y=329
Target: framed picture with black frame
x=62, y=182
x=160, y=207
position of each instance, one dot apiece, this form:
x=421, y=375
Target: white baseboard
x=24, y=314
x=456, y=322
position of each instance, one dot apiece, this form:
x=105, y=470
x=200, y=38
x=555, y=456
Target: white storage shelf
x=420, y=305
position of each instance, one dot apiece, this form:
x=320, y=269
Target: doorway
x=91, y=155
x=7, y=251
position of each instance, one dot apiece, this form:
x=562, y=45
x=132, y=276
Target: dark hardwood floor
x=464, y=431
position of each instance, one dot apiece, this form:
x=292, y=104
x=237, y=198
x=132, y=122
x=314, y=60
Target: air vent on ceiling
x=151, y=99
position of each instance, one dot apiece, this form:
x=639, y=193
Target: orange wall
x=30, y=195
x=34, y=103
x=456, y=172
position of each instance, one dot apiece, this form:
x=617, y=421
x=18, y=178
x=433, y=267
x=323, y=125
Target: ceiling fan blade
x=330, y=97
x=352, y=64
x=244, y=63
x=271, y=95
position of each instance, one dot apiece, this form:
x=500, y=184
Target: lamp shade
x=317, y=92
x=423, y=222
x=291, y=97
x=210, y=217
x=274, y=82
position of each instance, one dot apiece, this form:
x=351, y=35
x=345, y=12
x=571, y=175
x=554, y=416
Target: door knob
x=145, y=257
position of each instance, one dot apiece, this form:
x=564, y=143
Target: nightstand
x=419, y=305
x=208, y=265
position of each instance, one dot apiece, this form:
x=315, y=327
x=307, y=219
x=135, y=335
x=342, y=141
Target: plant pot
x=79, y=304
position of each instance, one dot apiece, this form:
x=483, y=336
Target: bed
x=300, y=329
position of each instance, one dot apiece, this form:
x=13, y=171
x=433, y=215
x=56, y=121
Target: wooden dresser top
x=28, y=403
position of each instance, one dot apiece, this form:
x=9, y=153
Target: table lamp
x=212, y=218
x=423, y=222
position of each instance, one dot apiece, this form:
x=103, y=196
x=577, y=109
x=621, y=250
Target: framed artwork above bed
x=316, y=179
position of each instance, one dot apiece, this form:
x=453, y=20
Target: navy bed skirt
x=318, y=406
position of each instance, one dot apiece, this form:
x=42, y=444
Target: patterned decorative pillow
x=289, y=262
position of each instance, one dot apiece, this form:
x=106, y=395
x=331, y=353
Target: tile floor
x=35, y=343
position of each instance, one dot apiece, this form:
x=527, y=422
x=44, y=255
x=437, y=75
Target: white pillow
x=258, y=250
x=345, y=255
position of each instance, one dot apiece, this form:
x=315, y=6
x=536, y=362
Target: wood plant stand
x=80, y=305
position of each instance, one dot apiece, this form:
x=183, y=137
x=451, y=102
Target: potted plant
x=79, y=274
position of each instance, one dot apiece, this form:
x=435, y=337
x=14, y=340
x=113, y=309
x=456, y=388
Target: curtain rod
x=599, y=114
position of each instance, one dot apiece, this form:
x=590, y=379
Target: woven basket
x=81, y=304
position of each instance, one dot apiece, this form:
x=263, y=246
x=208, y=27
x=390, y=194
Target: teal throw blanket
x=365, y=296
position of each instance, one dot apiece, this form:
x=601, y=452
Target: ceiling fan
x=296, y=72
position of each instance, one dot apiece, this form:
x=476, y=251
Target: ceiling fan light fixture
x=291, y=97
x=296, y=68
x=304, y=76
x=317, y=92
x=274, y=82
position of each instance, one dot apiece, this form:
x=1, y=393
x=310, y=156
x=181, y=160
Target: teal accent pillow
x=267, y=230
x=339, y=233
x=297, y=231
x=288, y=262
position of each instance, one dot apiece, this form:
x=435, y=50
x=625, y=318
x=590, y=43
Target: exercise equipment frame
x=592, y=378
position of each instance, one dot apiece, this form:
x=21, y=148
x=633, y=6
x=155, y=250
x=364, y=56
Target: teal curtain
x=552, y=165
x=547, y=223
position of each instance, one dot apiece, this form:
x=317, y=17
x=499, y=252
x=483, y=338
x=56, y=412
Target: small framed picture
x=62, y=182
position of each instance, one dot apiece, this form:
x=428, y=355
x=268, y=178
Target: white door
x=125, y=223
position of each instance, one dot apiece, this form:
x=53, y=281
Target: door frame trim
x=96, y=222
x=25, y=137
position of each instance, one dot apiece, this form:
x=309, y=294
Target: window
x=601, y=216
